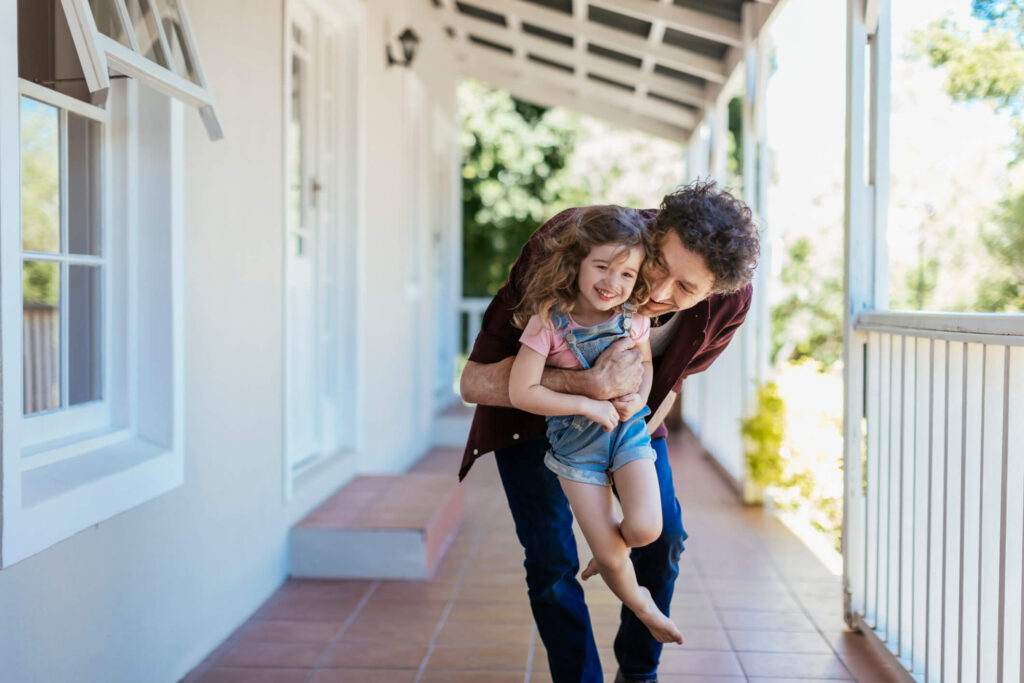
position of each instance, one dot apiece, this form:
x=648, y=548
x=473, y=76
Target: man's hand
x=618, y=371
x=601, y=412
x=628, y=405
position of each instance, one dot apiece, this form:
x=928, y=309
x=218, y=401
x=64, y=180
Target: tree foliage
x=989, y=68
x=1003, y=289
x=808, y=323
x=513, y=179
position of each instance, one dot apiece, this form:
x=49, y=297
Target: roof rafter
x=554, y=96
x=692, y=22
x=594, y=90
x=669, y=87
x=687, y=61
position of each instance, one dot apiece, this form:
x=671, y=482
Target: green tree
x=513, y=179
x=1003, y=289
x=808, y=323
x=989, y=68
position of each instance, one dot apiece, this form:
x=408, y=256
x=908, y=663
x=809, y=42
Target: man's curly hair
x=716, y=226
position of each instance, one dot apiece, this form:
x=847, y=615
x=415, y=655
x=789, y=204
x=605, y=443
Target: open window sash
x=150, y=40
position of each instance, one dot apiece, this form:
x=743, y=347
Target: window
x=91, y=124
x=63, y=266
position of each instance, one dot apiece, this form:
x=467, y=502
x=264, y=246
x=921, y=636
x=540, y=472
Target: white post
x=865, y=260
x=697, y=151
x=718, y=123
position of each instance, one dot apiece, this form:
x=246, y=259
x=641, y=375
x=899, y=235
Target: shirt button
x=515, y=436
x=476, y=452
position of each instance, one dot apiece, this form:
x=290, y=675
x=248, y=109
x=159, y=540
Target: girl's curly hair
x=716, y=226
x=551, y=281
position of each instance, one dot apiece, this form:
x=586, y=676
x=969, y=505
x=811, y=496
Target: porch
x=753, y=602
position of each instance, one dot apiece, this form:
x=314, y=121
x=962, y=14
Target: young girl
x=581, y=296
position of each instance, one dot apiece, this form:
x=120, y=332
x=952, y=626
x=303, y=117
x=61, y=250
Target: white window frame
x=60, y=424
x=99, y=52
x=53, y=489
x=341, y=433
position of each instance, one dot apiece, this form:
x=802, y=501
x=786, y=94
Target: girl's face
x=607, y=277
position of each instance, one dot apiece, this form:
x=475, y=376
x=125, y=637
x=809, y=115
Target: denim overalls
x=580, y=449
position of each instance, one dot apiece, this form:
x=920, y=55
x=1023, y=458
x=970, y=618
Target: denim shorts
x=582, y=451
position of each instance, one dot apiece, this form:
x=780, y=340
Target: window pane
x=108, y=21
x=84, y=334
x=40, y=176
x=84, y=144
x=296, y=146
x=41, y=335
x=171, y=18
x=146, y=32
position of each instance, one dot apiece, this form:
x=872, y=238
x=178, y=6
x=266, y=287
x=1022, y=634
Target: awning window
x=150, y=40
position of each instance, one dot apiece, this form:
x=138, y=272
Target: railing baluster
x=872, y=373
x=955, y=408
x=989, y=523
x=884, y=485
x=1013, y=447
x=907, y=507
x=895, y=495
x=972, y=509
x=918, y=580
x=937, y=491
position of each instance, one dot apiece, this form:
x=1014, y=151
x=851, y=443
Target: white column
x=865, y=256
x=718, y=125
x=697, y=152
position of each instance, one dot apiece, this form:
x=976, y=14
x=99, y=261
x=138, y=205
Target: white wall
x=146, y=595
x=713, y=405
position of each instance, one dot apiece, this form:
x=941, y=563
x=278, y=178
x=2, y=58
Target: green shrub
x=763, y=433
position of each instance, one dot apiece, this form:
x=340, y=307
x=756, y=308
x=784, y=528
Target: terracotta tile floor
x=753, y=603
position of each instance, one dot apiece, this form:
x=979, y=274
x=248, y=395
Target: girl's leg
x=593, y=508
x=636, y=483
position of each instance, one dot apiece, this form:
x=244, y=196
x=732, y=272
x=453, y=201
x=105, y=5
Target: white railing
x=471, y=310
x=935, y=530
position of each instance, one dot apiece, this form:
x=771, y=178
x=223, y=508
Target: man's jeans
x=544, y=527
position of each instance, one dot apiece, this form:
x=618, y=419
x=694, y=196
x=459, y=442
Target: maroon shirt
x=702, y=335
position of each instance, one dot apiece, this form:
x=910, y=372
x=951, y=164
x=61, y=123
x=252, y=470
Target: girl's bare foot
x=661, y=627
x=590, y=569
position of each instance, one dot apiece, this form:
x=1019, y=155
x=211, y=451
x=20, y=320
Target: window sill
x=67, y=496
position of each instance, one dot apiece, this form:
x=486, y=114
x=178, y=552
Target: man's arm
x=618, y=372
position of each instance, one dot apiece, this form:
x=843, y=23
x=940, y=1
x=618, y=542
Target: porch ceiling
x=653, y=65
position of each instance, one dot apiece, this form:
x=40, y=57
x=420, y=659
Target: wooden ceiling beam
x=592, y=63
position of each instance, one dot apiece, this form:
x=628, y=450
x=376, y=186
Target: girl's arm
x=527, y=393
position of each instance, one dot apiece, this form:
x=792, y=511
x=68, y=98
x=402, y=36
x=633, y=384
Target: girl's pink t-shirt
x=549, y=341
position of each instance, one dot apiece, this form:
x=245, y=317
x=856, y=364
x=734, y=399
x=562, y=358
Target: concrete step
x=451, y=427
x=380, y=526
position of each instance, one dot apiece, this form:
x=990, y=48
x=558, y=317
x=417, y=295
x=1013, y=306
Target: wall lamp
x=409, y=41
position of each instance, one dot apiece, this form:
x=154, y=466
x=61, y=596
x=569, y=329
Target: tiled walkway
x=752, y=601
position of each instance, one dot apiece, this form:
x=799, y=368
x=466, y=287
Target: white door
x=303, y=245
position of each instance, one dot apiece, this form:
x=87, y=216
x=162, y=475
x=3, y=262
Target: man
x=707, y=247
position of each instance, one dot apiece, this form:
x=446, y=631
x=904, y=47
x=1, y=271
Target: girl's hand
x=601, y=412
x=627, y=406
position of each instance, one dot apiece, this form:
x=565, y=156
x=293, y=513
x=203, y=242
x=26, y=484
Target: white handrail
x=981, y=327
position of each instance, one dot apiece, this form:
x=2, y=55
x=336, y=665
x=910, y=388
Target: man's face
x=682, y=281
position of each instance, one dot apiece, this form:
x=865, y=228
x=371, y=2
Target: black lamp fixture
x=409, y=41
